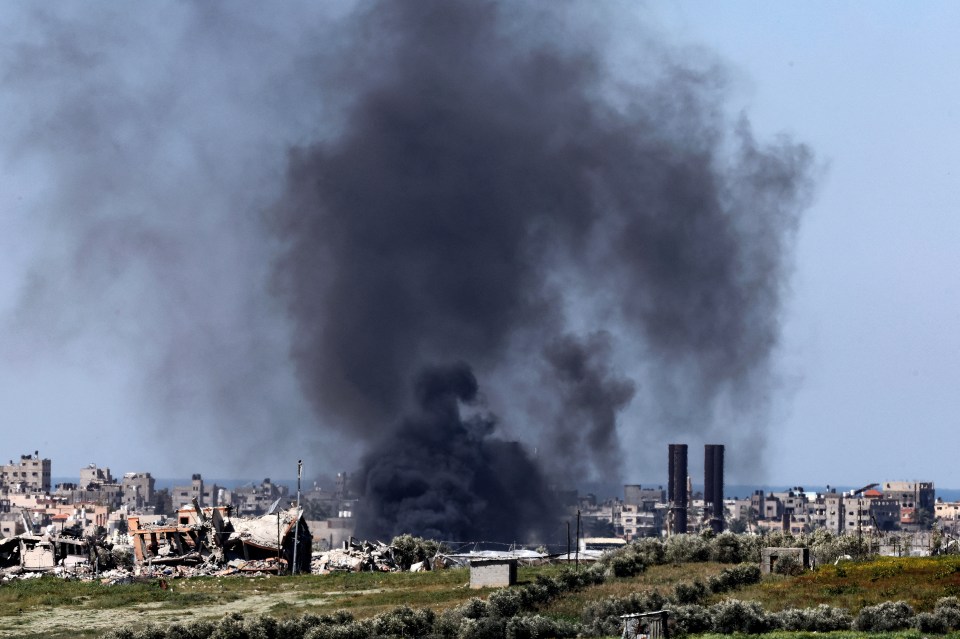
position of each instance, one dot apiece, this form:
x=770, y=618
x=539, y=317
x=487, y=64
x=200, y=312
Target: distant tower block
x=713, y=485
x=677, y=488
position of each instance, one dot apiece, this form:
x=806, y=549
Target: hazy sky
x=139, y=150
x=870, y=344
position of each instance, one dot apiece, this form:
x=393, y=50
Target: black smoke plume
x=585, y=441
x=496, y=183
x=442, y=476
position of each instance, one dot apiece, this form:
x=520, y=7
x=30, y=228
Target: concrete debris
x=356, y=556
x=203, y=542
x=212, y=539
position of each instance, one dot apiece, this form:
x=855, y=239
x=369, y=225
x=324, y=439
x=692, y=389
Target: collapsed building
x=278, y=542
x=34, y=551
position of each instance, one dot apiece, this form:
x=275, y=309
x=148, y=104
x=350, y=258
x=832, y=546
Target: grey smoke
x=484, y=193
x=385, y=191
x=443, y=476
x=583, y=440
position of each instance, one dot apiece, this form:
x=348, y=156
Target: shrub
x=691, y=620
x=686, y=549
x=261, y=627
x=948, y=610
x=733, y=615
x=690, y=592
x=929, y=622
x=787, y=565
x=404, y=621
x=823, y=618
x=474, y=608
x=650, y=551
x=486, y=628
x=362, y=629
x=408, y=550
x=884, y=617
x=230, y=627
x=447, y=624
x=727, y=548
x=626, y=566
x=297, y=627
x=505, y=602
x=537, y=627
x=193, y=631
x=736, y=577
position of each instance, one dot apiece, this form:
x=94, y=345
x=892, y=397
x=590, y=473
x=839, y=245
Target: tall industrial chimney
x=713, y=485
x=677, y=488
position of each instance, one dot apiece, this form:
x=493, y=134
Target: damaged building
x=276, y=542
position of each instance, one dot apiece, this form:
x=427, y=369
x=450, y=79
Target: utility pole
x=296, y=521
x=578, y=541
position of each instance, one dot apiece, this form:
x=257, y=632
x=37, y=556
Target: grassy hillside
x=51, y=607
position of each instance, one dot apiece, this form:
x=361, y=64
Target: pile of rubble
x=203, y=542
x=211, y=541
x=356, y=556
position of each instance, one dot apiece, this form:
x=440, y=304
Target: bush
x=362, y=629
x=733, y=578
x=787, y=565
x=474, y=608
x=650, y=551
x=537, y=627
x=486, y=628
x=623, y=562
x=691, y=620
x=884, y=617
x=262, y=627
x=230, y=627
x=404, y=621
x=626, y=566
x=686, y=549
x=823, y=618
x=195, y=630
x=408, y=550
x=929, y=622
x=505, y=602
x=727, y=548
x=297, y=627
x=690, y=593
x=733, y=615
x=948, y=610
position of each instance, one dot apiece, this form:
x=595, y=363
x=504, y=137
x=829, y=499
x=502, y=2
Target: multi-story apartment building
x=918, y=496
x=138, y=491
x=207, y=495
x=28, y=475
x=91, y=476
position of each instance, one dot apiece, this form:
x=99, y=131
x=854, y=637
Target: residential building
x=28, y=475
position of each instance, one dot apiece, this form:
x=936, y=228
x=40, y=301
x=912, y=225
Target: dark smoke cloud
x=512, y=186
x=140, y=149
x=496, y=186
x=443, y=476
x=583, y=440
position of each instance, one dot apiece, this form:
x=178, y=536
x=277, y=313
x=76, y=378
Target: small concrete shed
x=493, y=573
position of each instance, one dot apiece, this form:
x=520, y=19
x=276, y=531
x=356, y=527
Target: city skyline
x=143, y=331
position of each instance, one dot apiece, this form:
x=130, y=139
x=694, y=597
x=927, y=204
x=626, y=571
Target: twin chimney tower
x=678, y=490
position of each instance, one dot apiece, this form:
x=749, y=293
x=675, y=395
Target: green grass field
x=31, y=608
